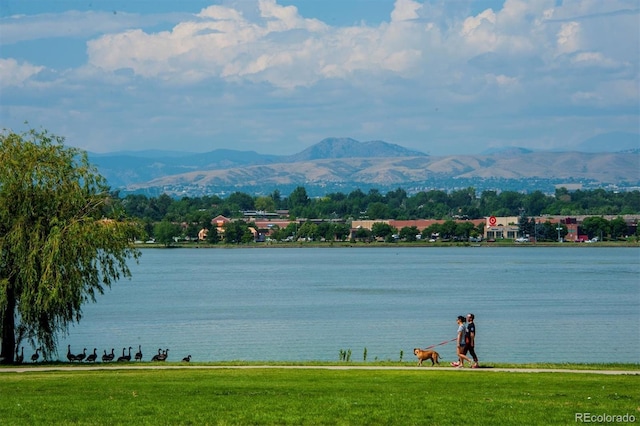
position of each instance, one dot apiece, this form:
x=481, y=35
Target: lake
x=532, y=304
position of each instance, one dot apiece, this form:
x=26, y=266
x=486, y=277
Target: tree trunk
x=7, y=352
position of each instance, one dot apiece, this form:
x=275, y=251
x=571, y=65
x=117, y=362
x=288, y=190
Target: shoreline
x=621, y=367
x=509, y=244
x=98, y=367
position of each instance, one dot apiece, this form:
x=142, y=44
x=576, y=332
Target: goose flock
x=162, y=355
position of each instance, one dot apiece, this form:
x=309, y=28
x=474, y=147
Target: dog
x=424, y=355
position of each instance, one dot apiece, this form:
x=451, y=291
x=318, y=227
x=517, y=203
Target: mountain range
x=345, y=164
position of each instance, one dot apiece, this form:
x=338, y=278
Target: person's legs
x=472, y=352
x=462, y=357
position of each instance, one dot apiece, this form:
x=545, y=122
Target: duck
x=82, y=356
x=71, y=357
x=139, y=353
x=186, y=358
x=92, y=357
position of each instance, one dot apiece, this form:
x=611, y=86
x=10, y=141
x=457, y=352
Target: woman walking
x=460, y=343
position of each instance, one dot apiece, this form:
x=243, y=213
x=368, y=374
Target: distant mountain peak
x=334, y=148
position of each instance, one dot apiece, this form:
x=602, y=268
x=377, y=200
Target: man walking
x=470, y=340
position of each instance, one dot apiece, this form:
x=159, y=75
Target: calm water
x=565, y=304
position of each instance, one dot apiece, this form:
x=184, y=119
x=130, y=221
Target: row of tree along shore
x=299, y=218
x=615, y=232
x=398, y=205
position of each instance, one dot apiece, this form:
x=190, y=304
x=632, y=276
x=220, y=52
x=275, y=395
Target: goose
x=71, y=357
x=164, y=355
x=105, y=357
x=111, y=356
x=92, y=357
x=186, y=358
x=20, y=358
x=139, y=353
x=122, y=358
x=125, y=357
x=157, y=357
x=82, y=356
x=35, y=356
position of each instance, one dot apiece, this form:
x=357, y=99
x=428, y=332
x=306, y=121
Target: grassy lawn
x=282, y=396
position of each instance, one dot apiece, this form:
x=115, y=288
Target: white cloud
x=221, y=13
x=283, y=18
x=218, y=42
x=250, y=70
x=568, y=39
x=472, y=23
x=13, y=73
x=594, y=59
x=282, y=48
x=286, y=50
x=405, y=10
x=502, y=80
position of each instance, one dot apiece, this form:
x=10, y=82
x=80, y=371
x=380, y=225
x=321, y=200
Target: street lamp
x=559, y=228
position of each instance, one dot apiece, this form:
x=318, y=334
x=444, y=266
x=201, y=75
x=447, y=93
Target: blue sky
x=277, y=76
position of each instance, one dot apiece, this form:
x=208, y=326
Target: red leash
x=441, y=343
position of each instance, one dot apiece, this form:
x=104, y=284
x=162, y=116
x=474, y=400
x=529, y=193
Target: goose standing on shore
x=164, y=355
x=82, y=356
x=139, y=353
x=92, y=357
x=71, y=357
x=35, y=356
x=20, y=358
x=157, y=356
x=124, y=357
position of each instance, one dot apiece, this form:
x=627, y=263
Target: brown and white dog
x=424, y=355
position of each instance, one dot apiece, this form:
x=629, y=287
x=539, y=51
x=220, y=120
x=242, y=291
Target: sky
x=445, y=77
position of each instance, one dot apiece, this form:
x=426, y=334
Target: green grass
x=225, y=396
x=411, y=362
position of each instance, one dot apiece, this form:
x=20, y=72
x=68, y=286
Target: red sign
x=493, y=221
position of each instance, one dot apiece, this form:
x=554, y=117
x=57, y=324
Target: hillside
x=334, y=148
x=604, y=168
x=128, y=168
x=347, y=163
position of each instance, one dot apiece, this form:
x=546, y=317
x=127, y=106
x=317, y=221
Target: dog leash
x=441, y=343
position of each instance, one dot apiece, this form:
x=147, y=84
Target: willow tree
x=60, y=242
